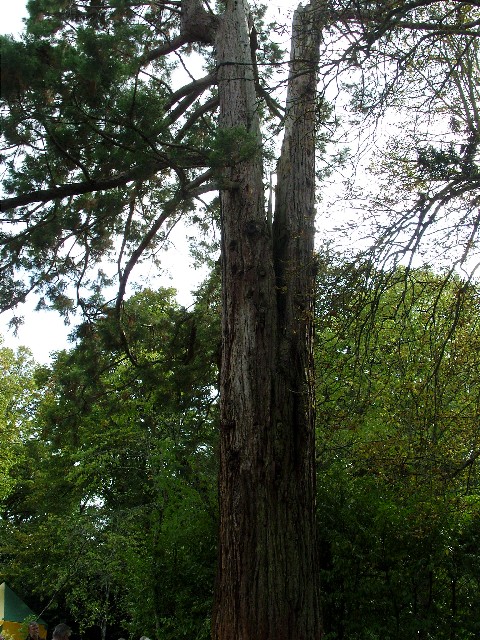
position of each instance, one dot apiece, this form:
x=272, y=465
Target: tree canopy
x=110, y=130
x=114, y=489
x=407, y=73
x=17, y=402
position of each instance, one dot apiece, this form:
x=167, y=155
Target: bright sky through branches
x=44, y=332
x=376, y=180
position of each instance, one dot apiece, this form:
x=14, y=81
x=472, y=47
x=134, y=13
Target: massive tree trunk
x=267, y=585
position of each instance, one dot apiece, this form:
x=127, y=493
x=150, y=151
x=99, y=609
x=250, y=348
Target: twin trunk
x=267, y=577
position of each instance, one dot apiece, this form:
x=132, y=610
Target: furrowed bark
x=248, y=326
x=267, y=576
x=293, y=397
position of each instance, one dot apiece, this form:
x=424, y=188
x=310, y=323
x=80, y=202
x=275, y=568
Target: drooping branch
x=192, y=87
x=273, y=106
x=209, y=105
x=187, y=191
x=139, y=172
x=182, y=107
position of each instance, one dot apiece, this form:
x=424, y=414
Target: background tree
x=17, y=400
x=130, y=546
x=409, y=95
x=398, y=454
x=115, y=522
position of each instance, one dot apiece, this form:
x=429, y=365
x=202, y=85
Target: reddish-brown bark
x=267, y=576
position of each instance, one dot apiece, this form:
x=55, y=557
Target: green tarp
x=13, y=609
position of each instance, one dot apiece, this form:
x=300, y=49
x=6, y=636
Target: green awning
x=13, y=609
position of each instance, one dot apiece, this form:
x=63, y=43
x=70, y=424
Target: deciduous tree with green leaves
x=112, y=514
x=399, y=452
x=17, y=399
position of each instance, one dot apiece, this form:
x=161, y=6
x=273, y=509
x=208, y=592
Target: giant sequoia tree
x=105, y=146
x=105, y=151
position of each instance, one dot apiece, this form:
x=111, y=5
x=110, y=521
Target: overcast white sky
x=44, y=332
x=11, y=14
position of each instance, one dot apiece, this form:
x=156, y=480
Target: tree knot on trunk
x=197, y=24
x=251, y=228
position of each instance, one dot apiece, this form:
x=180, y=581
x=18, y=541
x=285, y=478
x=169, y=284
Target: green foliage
x=113, y=508
x=445, y=164
x=17, y=401
x=131, y=451
x=233, y=145
x=398, y=478
x=78, y=109
x=21, y=66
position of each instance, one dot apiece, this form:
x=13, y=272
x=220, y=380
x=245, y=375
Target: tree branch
x=164, y=49
x=197, y=85
x=209, y=105
x=78, y=188
x=193, y=188
x=469, y=462
x=140, y=172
